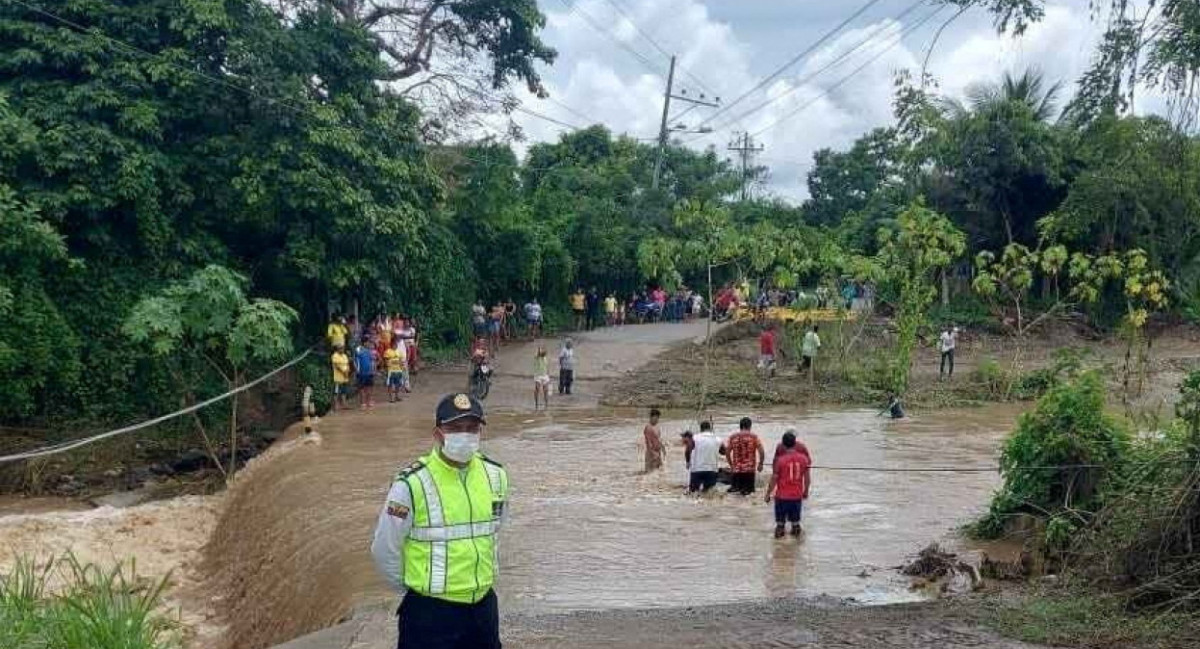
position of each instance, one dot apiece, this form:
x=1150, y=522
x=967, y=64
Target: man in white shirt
x=703, y=452
x=946, y=344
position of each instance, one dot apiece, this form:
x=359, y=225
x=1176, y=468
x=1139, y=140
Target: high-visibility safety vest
x=450, y=552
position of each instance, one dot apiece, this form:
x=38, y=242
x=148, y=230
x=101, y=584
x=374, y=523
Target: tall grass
x=67, y=604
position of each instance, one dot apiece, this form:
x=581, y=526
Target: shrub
x=1041, y=461
x=992, y=378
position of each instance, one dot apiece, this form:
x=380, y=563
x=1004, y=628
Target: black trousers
x=947, y=356
x=565, y=379
x=430, y=623
x=702, y=481
x=742, y=483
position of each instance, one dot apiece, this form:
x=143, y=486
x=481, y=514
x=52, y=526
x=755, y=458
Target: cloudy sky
x=728, y=47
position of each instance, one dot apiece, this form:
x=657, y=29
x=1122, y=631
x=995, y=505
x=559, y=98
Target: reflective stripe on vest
x=439, y=551
x=454, y=532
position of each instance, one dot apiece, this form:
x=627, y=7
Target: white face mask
x=460, y=447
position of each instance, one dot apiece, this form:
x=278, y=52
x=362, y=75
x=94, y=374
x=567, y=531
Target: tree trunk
x=945, y=288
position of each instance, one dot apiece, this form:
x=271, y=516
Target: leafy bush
x=1041, y=461
x=992, y=378
x=966, y=311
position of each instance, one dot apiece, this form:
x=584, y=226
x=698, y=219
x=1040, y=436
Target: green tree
x=843, y=183
x=922, y=243
x=209, y=316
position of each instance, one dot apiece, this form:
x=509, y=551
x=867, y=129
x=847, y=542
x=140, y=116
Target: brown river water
x=285, y=550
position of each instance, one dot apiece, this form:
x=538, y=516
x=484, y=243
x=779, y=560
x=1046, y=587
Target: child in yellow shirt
x=341, y=376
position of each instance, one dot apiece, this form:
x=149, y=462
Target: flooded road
x=589, y=532
x=288, y=553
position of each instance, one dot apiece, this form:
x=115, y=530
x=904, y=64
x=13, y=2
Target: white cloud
x=606, y=83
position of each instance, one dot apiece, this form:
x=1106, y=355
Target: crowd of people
x=745, y=458
x=386, y=350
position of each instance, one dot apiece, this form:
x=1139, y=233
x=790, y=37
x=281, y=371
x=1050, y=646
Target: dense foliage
x=1060, y=461
x=144, y=140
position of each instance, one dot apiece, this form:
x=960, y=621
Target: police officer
x=435, y=541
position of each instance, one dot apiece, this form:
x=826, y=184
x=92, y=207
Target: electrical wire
x=783, y=68
x=573, y=7
x=825, y=92
x=833, y=63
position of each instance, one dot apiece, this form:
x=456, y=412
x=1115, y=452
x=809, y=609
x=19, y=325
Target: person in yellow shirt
x=341, y=376
x=610, y=309
x=336, y=332
x=577, y=306
x=395, y=359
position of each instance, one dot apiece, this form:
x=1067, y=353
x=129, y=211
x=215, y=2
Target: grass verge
x=66, y=604
x=1073, y=618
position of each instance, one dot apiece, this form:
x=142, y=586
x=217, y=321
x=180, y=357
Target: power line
x=915, y=26
x=572, y=6
x=538, y=115
x=780, y=70
x=842, y=57
x=574, y=112
x=655, y=45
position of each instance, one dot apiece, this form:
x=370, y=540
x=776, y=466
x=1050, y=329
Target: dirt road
x=771, y=624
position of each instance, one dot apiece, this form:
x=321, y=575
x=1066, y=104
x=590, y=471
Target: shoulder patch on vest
x=411, y=469
x=490, y=460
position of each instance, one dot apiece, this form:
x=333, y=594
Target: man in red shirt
x=766, y=350
x=789, y=485
x=742, y=449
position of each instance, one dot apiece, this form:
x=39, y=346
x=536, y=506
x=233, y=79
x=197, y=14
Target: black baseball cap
x=457, y=406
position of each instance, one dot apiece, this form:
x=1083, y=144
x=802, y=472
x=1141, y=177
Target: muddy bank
x=851, y=370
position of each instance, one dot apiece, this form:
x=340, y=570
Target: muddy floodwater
x=588, y=531
x=285, y=551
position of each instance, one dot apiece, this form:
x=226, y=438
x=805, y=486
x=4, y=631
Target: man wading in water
x=654, y=443
x=742, y=448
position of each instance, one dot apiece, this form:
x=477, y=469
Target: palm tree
x=1028, y=88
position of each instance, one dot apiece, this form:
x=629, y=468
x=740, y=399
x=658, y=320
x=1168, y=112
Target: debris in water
x=935, y=566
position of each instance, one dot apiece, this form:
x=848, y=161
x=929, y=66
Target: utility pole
x=663, y=129
x=746, y=148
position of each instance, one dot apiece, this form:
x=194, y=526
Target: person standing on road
x=394, y=360
x=435, y=541
x=703, y=458
x=766, y=350
x=510, y=318
x=789, y=485
x=946, y=344
x=566, y=366
x=742, y=449
x=593, y=309
x=578, y=308
x=365, y=362
x=341, y=377
x=541, y=379
x=610, y=309
x=479, y=320
x=336, y=332
x=654, y=443
x=533, y=317
x=808, y=351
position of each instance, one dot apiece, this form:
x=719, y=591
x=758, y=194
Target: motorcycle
x=481, y=380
